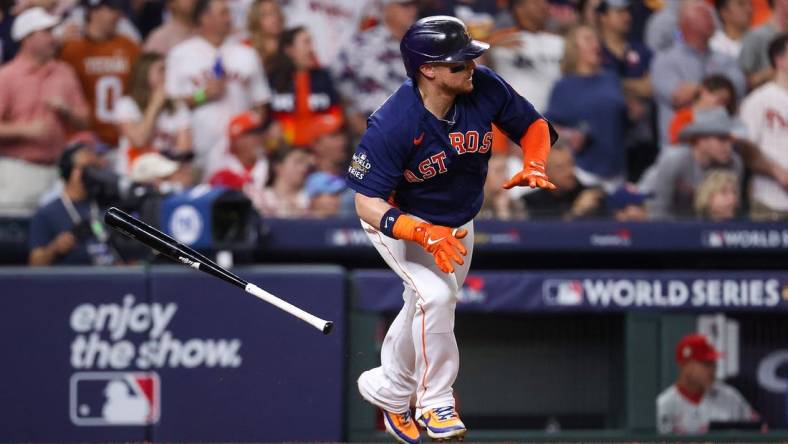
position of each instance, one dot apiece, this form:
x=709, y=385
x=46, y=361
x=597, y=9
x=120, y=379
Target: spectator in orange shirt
x=303, y=93
x=102, y=59
x=40, y=101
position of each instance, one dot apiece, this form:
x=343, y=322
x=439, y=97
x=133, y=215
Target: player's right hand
x=443, y=243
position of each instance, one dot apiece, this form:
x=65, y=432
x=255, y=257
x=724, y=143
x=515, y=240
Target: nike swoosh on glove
x=443, y=243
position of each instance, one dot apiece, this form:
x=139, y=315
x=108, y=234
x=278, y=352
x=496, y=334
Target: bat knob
x=327, y=328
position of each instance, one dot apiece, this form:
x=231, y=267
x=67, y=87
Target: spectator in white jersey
x=698, y=398
x=370, y=68
x=216, y=76
x=530, y=59
x=765, y=113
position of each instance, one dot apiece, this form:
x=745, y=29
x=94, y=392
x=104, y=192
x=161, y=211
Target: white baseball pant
x=419, y=358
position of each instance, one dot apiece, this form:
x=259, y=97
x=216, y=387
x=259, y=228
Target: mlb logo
x=560, y=292
x=115, y=398
x=714, y=239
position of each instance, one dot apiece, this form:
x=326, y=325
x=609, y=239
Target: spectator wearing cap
x=40, y=101
x=177, y=28
x=103, y=60
x=217, y=77
x=303, y=93
x=630, y=60
x=677, y=72
x=369, y=69
x=285, y=195
x=627, y=204
x=588, y=108
x=325, y=193
x=76, y=18
x=754, y=56
x=246, y=167
x=717, y=198
x=530, y=58
x=765, y=113
x=697, y=398
x=68, y=230
x=331, y=146
x=674, y=179
x=735, y=18
x=89, y=140
x=148, y=120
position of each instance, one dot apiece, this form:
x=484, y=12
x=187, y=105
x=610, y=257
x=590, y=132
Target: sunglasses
x=454, y=68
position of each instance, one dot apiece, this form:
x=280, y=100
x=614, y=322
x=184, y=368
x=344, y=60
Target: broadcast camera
x=206, y=218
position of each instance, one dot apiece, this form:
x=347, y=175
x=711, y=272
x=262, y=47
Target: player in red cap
x=698, y=398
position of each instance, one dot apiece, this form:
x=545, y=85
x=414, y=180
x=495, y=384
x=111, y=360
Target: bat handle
x=314, y=321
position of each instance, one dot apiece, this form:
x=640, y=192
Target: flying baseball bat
x=164, y=244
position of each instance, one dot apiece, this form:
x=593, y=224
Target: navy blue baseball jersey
x=435, y=168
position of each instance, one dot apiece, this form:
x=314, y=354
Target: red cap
x=243, y=123
x=695, y=346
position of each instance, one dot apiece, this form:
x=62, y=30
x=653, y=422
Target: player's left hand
x=533, y=176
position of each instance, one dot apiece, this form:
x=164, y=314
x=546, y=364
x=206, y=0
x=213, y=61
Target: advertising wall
x=168, y=355
x=758, y=301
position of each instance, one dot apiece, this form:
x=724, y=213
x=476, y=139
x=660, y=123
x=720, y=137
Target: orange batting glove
x=533, y=175
x=442, y=242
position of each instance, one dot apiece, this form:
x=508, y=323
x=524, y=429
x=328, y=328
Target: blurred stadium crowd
x=666, y=109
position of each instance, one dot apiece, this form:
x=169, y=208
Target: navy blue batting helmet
x=439, y=38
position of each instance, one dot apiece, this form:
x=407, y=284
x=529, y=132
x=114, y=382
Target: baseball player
x=697, y=398
x=418, y=174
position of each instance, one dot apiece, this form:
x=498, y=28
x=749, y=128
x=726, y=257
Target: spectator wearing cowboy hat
x=707, y=144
